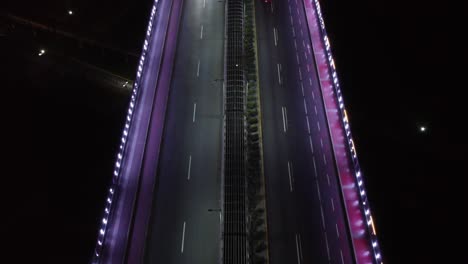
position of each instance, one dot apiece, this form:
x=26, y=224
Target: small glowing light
x=422, y=129
x=373, y=227
x=106, y=210
x=374, y=244
x=109, y=200
x=363, y=192
x=99, y=242
x=41, y=52
x=377, y=256
x=367, y=212
x=104, y=221
x=117, y=164
x=111, y=190
x=70, y=12
x=101, y=231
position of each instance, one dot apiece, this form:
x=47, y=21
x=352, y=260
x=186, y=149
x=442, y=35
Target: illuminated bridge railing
x=371, y=250
x=121, y=153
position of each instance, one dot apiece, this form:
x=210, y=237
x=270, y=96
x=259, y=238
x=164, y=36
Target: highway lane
x=182, y=230
x=305, y=211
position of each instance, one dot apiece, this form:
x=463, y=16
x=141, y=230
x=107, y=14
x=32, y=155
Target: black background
x=401, y=64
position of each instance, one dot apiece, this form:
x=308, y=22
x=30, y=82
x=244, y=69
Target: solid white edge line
x=342, y=259
x=201, y=32
x=198, y=68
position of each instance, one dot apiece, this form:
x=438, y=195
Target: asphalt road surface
x=306, y=216
x=182, y=229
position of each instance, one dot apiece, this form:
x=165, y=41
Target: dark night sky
x=400, y=66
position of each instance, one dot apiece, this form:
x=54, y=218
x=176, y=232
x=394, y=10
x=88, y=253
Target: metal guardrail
x=113, y=190
x=234, y=231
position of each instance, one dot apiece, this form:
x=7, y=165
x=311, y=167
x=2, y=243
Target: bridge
x=179, y=189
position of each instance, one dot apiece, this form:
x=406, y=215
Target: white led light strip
x=122, y=147
x=357, y=171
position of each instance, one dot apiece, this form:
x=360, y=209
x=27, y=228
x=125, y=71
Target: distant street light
x=422, y=129
x=41, y=52
x=70, y=12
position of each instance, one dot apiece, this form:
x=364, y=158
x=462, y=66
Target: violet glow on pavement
x=364, y=238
